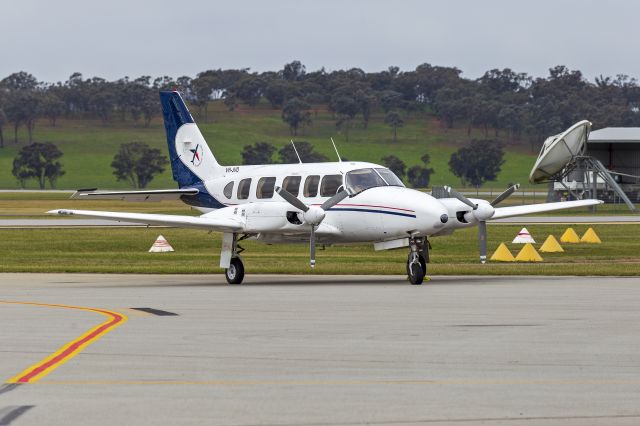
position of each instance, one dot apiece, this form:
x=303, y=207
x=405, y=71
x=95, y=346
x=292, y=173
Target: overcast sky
x=116, y=38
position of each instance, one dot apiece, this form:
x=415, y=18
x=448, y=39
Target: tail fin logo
x=196, y=160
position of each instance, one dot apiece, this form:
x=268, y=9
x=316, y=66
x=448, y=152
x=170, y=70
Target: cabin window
x=265, y=187
x=311, y=186
x=243, y=189
x=330, y=185
x=292, y=184
x=228, y=190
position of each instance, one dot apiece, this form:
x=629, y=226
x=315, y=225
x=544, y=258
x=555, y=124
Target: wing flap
x=139, y=196
x=541, y=208
x=211, y=222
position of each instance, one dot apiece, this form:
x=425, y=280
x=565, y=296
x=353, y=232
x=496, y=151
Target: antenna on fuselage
x=337, y=153
x=294, y=148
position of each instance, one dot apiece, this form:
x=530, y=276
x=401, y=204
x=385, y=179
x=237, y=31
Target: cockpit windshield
x=358, y=180
x=390, y=177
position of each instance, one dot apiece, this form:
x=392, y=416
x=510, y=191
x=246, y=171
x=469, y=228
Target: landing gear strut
x=417, y=260
x=235, y=272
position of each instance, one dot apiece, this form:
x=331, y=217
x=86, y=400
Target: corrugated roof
x=615, y=135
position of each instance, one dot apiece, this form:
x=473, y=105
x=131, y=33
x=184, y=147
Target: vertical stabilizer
x=191, y=159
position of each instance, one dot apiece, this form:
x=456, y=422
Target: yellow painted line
x=65, y=353
x=437, y=382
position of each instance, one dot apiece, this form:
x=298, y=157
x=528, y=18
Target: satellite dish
x=557, y=151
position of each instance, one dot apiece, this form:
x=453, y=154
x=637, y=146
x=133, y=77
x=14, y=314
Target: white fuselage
x=376, y=214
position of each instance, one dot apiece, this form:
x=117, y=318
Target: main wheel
x=416, y=270
x=235, y=272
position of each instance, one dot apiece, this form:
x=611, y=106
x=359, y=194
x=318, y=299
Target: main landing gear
x=417, y=260
x=234, y=273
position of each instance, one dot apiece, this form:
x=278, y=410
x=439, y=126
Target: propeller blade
x=292, y=199
x=500, y=198
x=482, y=240
x=460, y=197
x=334, y=200
x=312, y=247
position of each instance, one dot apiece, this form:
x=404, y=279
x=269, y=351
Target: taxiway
x=290, y=350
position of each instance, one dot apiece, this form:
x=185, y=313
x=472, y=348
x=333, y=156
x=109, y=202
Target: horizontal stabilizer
x=213, y=221
x=140, y=196
x=541, y=208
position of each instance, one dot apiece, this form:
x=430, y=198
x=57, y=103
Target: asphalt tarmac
x=307, y=350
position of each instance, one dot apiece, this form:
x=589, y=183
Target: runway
x=321, y=350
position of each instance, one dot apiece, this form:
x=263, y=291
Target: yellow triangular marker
x=570, y=236
x=502, y=254
x=590, y=237
x=528, y=254
x=551, y=245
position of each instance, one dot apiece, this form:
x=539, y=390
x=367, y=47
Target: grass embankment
x=89, y=145
x=124, y=250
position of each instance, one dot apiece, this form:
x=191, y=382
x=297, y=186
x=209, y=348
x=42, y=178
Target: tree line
x=137, y=163
x=502, y=102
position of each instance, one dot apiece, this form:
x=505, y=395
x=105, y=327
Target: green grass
x=89, y=145
x=124, y=250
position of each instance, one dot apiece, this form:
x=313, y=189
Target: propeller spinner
x=482, y=212
x=313, y=215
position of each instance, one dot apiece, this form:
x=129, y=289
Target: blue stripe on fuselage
x=371, y=211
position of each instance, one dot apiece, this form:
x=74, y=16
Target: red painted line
x=371, y=205
x=117, y=318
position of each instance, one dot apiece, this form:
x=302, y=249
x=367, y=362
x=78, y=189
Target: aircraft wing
x=541, y=208
x=155, y=195
x=211, y=222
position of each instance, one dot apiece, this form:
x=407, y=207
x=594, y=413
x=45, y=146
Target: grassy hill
x=89, y=145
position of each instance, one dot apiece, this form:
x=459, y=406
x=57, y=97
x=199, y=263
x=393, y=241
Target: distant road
x=66, y=223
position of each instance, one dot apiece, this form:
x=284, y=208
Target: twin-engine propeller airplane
x=338, y=202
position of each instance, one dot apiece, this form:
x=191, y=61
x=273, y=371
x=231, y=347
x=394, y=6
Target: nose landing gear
x=417, y=260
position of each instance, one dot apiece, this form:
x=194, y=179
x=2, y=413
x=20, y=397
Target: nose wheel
x=417, y=260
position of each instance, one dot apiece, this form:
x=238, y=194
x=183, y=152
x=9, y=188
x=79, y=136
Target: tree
x=305, y=149
x=276, y=93
x=347, y=108
x=137, y=163
x=477, y=162
x=258, y=153
x=202, y=87
x=394, y=120
x=296, y=113
x=3, y=122
x=39, y=161
x=395, y=164
x=293, y=71
x=52, y=107
x=19, y=81
x=419, y=176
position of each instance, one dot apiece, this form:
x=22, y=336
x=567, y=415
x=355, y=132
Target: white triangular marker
x=523, y=237
x=160, y=245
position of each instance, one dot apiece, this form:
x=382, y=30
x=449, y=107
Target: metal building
x=618, y=148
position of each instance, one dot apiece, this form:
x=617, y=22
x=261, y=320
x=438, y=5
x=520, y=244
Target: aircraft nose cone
x=444, y=218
